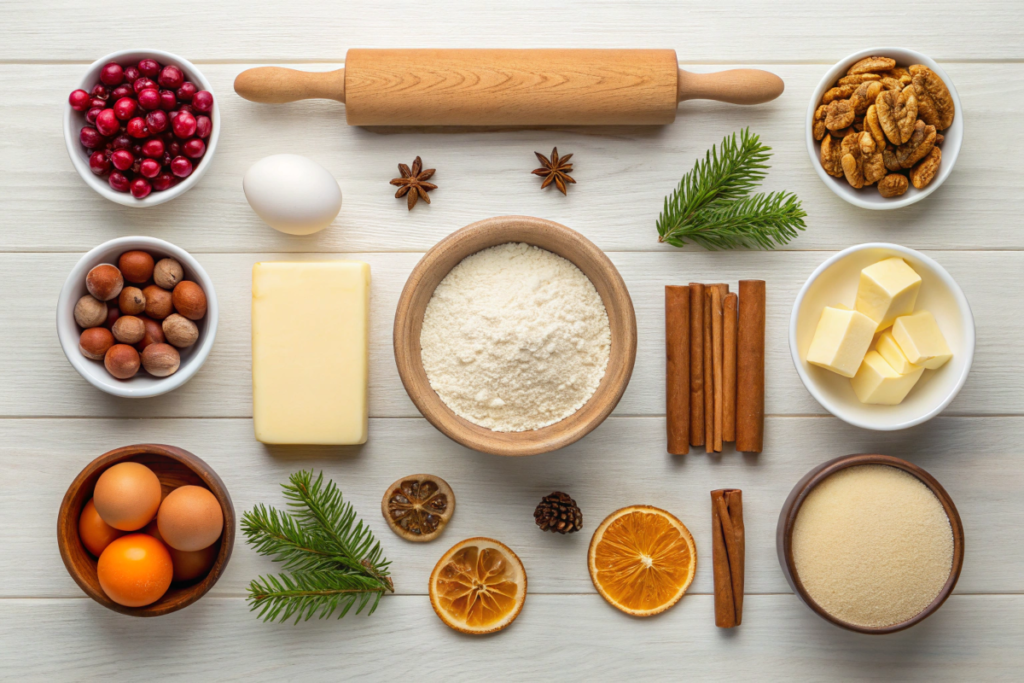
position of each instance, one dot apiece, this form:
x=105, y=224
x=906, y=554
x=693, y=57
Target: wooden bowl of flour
x=560, y=240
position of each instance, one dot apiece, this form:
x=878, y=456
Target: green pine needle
x=713, y=207
x=304, y=594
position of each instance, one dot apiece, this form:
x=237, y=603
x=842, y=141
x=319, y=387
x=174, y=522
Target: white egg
x=292, y=194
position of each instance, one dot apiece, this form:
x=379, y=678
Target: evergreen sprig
x=713, y=206
x=332, y=559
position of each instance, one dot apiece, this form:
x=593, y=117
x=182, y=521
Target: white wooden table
x=52, y=423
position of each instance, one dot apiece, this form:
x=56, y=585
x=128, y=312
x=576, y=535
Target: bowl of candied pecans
x=884, y=128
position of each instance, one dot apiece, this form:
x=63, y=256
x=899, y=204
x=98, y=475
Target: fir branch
x=304, y=594
x=763, y=221
x=278, y=535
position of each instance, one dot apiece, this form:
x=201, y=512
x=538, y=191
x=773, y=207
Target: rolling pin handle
x=276, y=85
x=736, y=86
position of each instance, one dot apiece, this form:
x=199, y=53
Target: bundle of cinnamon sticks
x=714, y=344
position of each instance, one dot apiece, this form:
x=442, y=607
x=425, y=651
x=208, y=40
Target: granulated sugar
x=872, y=545
x=515, y=338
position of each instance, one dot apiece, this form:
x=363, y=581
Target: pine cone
x=558, y=512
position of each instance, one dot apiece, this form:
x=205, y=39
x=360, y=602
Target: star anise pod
x=555, y=170
x=412, y=182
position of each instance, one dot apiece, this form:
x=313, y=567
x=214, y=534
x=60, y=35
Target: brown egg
x=154, y=333
x=136, y=266
x=128, y=329
x=94, y=532
x=95, y=342
x=190, y=300
x=122, y=361
x=159, y=303
x=127, y=495
x=161, y=360
x=190, y=518
x=131, y=301
x=104, y=282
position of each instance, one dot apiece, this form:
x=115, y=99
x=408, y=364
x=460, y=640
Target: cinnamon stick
x=717, y=348
x=728, y=555
x=750, y=367
x=696, y=364
x=677, y=368
x=730, y=309
x=709, y=380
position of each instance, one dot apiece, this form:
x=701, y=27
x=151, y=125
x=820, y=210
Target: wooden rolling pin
x=508, y=87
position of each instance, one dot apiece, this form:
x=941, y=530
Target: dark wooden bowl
x=558, y=239
x=788, y=515
x=175, y=467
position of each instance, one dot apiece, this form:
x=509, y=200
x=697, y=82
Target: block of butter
x=876, y=382
x=841, y=340
x=310, y=352
x=887, y=290
x=921, y=340
x=893, y=354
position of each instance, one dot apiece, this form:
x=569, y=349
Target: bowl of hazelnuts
x=137, y=317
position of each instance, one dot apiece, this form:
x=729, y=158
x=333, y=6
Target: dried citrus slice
x=418, y=507
x=642, y=560
x=478, y=586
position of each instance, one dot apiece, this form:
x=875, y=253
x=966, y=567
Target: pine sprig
x=712, y=205
x=304, y=594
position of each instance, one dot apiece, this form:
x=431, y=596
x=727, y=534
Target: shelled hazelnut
x=122, y=361
x=180, y=331
x=161, y=360
x=104, y=282
x=167, y=273
x=90, y=312
x=128, y=329
x=131, y=301
x=154, y=334
x=159, y=302
x=189, y=300
x=95, y=342
x=136, y=266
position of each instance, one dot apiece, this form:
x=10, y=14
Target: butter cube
x=310, y=352
x=921, y=340
x=887, y=290
x=893, y=354
x=877, y=383
x=841, y=340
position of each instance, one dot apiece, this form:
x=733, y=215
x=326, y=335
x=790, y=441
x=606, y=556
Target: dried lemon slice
x=642, y=560
x=478, y=586
x=418, y=507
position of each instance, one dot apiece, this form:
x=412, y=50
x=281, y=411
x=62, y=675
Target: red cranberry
x=149, y=168
x=107, y=123
x=79, y=100
x=125, y=108
x=184, y=124
x=90, y=116
x=122, y=142
x=122, y=159
x=186, y=91
x=153, y=148
x=131, y=73
x=204, y=126
x=167, y=100
x=149, y=67
x=100, y=91
x=163, y=181
x=171, y=77
x=142, y=83
x=141, y=188
x=181, y=167
x=97, y=102
x=112, y=74
x=121, y=91
x=136, y=149
x=118, y=181
x=149, y=99
x=98, y=163
x=157, y=121
x=203, y=101
x=189, y=108
x=137, y=128
x=90, y=138
x=174, y=148
x=195, y=148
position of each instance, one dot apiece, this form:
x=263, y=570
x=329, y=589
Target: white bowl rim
x=950, y=153
x=101, y=186
x=123, y=388
x=962, y=304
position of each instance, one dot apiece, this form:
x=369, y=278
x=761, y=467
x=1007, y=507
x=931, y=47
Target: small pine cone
x=558, y=512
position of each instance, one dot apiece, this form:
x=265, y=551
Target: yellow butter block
x=921, y=340
x=887, y=290
x=877, y=383
x=893, y=354
x=841, y=340
x=310, y=352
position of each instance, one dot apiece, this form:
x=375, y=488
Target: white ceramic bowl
x=868, y=197
x=835, y=281
x=74, y=120
x=142, y=385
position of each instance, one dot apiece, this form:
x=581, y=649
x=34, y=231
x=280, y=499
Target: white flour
x=515, y=338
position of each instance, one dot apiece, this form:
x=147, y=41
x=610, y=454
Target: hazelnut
x=168, y=273
x=90, y=312
x=189, y=300
x=128, y=329
x=154, y=334
x=161, y=360
x=159, y=303
x=131, y=301
x=104, y=282
x=113, y=313
x=95, y=342
x=136, y=266
x=122, y=361
x=180, y=331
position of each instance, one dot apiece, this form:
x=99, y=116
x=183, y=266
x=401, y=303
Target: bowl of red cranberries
x=141, y=127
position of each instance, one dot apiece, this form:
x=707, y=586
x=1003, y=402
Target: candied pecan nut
x=872, y=165
x=872, y=125
x=857, y=79
x=840, y=114
x=852, y=161
x=871, y=64
x=918, y=146
x=935, y=101
x=831, y=157
x=939, y=139
x=889, y=83
x=838, y=93
x=893, y=185
x=926, y=169
x=897, y=113
x=842, y=132
x=818, y=122
x=864, y=96
x=890, y=160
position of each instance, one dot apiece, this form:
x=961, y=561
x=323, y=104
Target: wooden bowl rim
x=803, y=488
x=504, y=229
x=67, y=524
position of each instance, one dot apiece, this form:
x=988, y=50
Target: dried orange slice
x=418, y=507
x=642, y=560
x=478, y=586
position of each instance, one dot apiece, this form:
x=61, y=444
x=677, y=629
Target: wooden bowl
x=787, y=520
x=556, y=238
x=175, y=467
